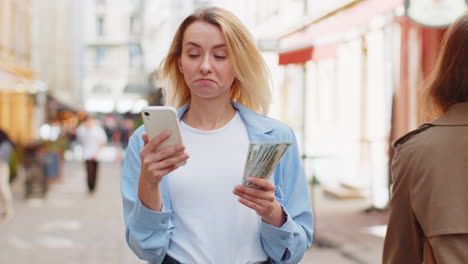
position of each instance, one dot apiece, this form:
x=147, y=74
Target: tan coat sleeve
x=403, y=242
x=450, y=248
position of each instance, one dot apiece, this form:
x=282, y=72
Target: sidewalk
x=69, y=226
x=344, y=232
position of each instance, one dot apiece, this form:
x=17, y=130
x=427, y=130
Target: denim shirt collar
x=257, y=125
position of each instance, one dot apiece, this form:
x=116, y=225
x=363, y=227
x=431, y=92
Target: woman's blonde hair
x=251, y=86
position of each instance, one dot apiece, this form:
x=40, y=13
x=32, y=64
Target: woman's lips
x=205, y=81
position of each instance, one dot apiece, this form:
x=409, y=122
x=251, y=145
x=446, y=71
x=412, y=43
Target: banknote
x=262, y=159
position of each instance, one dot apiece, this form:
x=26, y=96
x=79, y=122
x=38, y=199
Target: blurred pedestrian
x=428, y=213
x=92, y=138
x=121, y=136
x=123, y=133
x=6, y=198
x=200, y=213
x=110, y=124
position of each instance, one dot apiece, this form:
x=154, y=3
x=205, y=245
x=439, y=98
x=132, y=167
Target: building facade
x=16, y=74
x=114, y=76
x=361, y=66
x=346, y=60
x=57, y=49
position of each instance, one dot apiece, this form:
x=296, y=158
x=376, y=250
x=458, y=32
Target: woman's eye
x=220, y=56
x=193, y=55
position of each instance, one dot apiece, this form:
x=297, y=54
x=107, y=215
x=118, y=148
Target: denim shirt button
x=283, y=237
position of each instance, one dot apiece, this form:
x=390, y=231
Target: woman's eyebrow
x=198, y=45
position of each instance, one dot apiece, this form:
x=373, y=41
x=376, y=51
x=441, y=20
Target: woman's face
x=205, y=63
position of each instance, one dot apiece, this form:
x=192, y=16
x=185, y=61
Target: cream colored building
x=161, y=19
x=114, y=77
x=16, y=75
x=56, y=49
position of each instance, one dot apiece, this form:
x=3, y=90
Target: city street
x=346, y=79
x=70, y=226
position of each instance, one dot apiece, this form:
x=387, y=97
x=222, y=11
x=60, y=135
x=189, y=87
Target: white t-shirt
x=91, y=139
x=211, y=226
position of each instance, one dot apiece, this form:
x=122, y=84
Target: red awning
x=306, y=54
x=299, y=45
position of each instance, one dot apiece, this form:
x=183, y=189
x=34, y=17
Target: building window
x=134, y=25
x=100, y=26
x=100, y=56
x=135, y=56
x=99, y=88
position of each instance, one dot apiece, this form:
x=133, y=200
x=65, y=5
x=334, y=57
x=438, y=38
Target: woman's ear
x=179, y=64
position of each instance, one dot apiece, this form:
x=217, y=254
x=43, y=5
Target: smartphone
x=158, y=119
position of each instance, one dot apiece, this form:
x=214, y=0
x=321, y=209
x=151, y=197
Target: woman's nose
x=205, y=67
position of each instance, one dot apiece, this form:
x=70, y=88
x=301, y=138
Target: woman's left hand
x=261, y=200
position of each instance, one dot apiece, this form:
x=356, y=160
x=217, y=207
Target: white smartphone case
x=158, y=119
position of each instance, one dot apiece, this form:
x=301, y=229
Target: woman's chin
x=208, y=95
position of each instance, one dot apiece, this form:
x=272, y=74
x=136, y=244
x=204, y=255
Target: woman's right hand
x=154, y=166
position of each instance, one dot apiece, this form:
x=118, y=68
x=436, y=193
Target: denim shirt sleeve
x=147, y=232
x=288, y=243
x=5, y=151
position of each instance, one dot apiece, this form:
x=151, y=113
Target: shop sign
x=435, y=13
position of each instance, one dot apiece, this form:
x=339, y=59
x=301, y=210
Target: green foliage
x=61, y=144
x=15, y=160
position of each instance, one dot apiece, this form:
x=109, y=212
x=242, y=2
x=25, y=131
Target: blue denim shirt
x=148, y=232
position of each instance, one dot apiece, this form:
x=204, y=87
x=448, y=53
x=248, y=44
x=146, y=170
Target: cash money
x=262, y=159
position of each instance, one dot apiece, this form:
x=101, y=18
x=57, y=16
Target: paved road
x=71, y=226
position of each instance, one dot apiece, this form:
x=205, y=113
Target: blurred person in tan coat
x=428, y=213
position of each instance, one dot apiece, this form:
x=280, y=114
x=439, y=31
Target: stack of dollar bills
x=262, y=159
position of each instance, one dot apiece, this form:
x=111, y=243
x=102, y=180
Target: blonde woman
x=199, y=213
